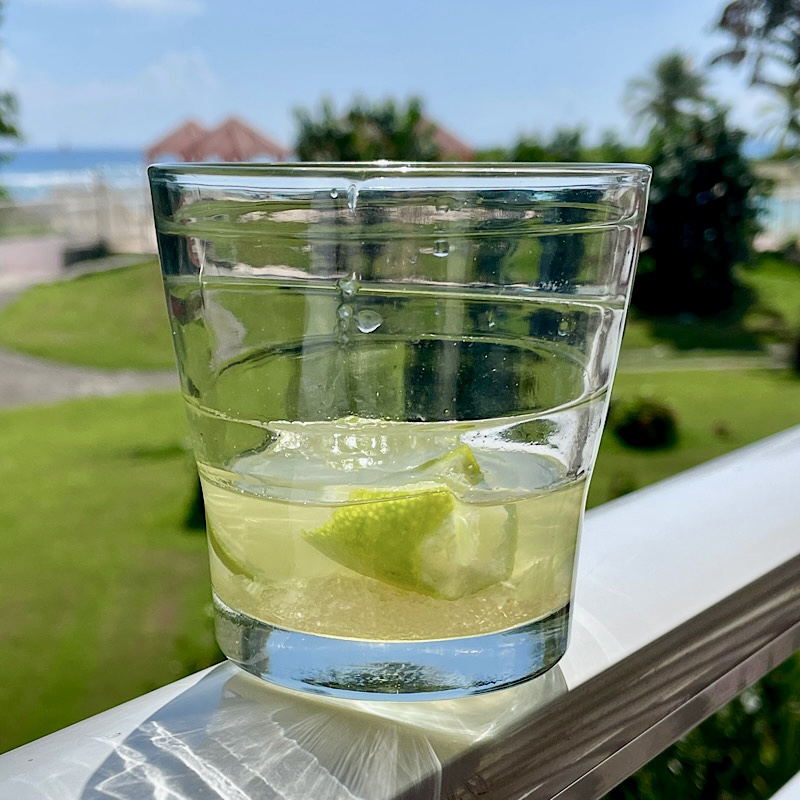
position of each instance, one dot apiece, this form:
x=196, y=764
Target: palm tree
x=766, y=38
x=8, y=119
x=783, y=116
x=674, y=89
x=8, y=109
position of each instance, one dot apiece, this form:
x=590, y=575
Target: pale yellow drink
x=438, y=553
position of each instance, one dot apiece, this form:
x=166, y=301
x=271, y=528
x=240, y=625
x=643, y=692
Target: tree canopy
x=766, y=41
x=702, y=218
x=367, y=132
x=674, y=89
x=8, y=108
x=564, y=144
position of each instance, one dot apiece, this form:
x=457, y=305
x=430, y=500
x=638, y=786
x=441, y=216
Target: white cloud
x=161, y=6
x=180, y=7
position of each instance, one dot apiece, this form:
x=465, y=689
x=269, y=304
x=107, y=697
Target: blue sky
x=123, y=72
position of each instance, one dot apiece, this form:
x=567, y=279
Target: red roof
x=452, y=148
x=178, y=142
x=233, y=140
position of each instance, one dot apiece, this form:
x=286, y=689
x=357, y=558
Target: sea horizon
x=32, y=173
x=29, y=174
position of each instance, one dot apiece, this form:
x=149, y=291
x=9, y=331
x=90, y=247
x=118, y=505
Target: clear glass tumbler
x=396, y=377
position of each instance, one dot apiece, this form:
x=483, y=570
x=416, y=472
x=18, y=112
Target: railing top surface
x=686, y=592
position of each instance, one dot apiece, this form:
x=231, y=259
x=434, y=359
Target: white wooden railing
x=688, y=591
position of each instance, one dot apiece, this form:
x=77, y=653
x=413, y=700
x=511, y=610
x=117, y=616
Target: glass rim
x=365, y=170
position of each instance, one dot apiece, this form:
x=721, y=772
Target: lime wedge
x=458, y=469
x=420, y=537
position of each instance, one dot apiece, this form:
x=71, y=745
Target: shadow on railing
x=233, y=736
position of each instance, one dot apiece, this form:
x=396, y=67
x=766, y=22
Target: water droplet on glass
x=441, y=248
x=352, y=197
x=567, y=325
x=334, y=193
x=345, y=311
x=348, y=287
x=368, y=320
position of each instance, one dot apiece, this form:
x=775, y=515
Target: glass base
x=358, y=669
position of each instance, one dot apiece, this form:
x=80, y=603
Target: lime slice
x=420, y=537
x=474, y=548
x=458, y=469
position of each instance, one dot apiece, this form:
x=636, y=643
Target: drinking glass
x=396, y=377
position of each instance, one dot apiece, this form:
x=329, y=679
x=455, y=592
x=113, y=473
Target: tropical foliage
x=8, y=113
x=673, y=91
x=766, y=41
x=366, y=132
x=8, y=108
x=702, y=218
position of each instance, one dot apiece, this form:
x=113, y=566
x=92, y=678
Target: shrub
x=195, y=519
x=645, y=424
x=796, y=355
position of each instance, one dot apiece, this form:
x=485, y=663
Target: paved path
x=644, y=361
x=27, y=380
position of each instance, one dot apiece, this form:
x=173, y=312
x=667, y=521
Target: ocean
x=30, y=174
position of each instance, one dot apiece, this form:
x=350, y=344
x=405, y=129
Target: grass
x=717, y=411
x=118, y=319
x=774, y=282
x=777, y=283
x=113, y=319
x=104, y=595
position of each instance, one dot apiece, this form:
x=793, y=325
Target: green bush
x=796, y=355
x=645, y=424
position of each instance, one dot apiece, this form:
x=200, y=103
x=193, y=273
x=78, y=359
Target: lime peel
x=458, y=467
x=420, y=538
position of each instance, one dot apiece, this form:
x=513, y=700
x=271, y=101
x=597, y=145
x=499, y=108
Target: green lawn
x=777, y=282
x=774, y=316
x=104, y=595
x=717, y=411
x=118, y=319
x=113, y=319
